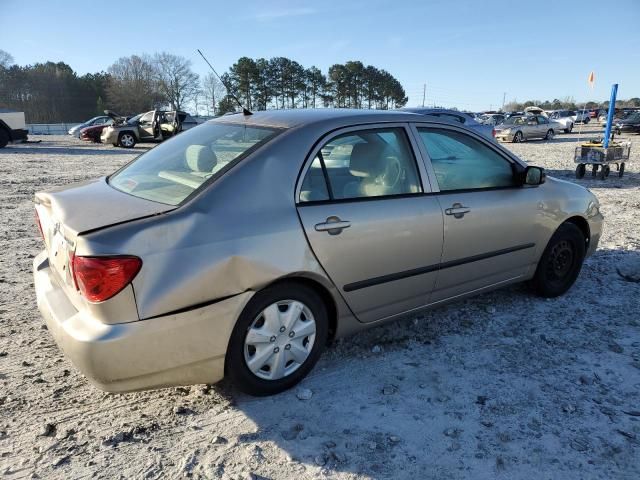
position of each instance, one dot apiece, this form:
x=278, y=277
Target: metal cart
x=596, y=155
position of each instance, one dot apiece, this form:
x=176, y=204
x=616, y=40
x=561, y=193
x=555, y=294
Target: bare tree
x=133, y=86
x=213, y=90
x=177, y=82
x=6, y=60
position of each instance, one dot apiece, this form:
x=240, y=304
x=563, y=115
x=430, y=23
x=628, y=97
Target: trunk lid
x=92, y=205
x=67, y=212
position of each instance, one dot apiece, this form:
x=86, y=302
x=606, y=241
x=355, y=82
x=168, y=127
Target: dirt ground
x=505, y=385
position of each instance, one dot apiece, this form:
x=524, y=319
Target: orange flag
x=592, y=79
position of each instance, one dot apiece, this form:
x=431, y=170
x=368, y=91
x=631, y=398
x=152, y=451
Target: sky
x=470, y=54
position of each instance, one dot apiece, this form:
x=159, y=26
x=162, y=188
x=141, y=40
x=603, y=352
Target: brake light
x=39, y=224
x=493, y=132
x=100, y=278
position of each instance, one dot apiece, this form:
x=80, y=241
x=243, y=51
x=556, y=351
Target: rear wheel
x=126, y=140
x=580, y=170
x=621, y=170
x=549, y=135
x=604, y=172
x=569, y=129
x=277, y=339
x=4, y=138
x=518, y=137
x=561, y=262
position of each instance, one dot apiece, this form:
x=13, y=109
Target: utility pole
x=504, y=98
x=424, y=93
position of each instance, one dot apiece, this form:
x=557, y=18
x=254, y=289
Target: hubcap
x=127, y=140
x=560, y=260
x=279, y=340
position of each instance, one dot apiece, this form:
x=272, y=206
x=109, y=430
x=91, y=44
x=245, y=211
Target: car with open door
x=243, y=246
x=150, y=127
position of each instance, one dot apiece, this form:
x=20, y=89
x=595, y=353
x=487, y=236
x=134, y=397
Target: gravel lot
x=504, y=385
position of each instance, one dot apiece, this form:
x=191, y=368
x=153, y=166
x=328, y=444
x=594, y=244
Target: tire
x=240, y=350
x=586, y=121
x=549, y=135
x=126, y=140
x=581, y=170
x=604, y=172
x=4, y=138
x=594, y=170
x=518, y=137
x=568, y=130
x=561, y=262
x=621, y=170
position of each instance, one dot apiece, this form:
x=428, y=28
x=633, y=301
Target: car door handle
x=333, y=225
x=457, y=210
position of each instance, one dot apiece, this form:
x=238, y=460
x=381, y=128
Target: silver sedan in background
x=518, y=128
x=244, y=245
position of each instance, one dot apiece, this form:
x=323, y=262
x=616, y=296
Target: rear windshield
x=173, y=170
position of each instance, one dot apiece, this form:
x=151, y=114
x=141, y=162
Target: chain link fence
x=50, y=128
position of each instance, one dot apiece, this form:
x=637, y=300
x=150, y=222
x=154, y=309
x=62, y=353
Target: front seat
x=368, y=162
x=201, y=160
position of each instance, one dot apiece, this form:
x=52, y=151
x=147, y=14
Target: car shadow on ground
x=470, y=384
x=73, y=150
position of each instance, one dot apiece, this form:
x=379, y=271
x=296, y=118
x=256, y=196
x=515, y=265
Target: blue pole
x=612, y=108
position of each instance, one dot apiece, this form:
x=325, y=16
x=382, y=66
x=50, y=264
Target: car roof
x=308, y=116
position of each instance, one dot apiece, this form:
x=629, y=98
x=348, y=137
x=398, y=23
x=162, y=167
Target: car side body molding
x=432, y=268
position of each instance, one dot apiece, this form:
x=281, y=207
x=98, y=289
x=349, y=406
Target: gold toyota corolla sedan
x=243, y=246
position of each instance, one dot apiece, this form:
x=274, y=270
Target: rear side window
x=461, y=162
x=363, y=164
x=173, y=170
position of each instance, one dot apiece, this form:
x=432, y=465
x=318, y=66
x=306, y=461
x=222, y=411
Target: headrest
x=200, y=158
x=367, y=160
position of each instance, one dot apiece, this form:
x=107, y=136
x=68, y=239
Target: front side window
x=173, y=170
x=367, y=163
x=461, y=162
x=542, y=120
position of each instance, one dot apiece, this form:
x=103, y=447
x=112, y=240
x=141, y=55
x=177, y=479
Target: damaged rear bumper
x=177, y=349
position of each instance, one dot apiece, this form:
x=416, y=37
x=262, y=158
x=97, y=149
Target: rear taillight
x=39, y=224
x=100, y=278
x=493, y=132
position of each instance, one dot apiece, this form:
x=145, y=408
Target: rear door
x=370, y=221
x=490, y=220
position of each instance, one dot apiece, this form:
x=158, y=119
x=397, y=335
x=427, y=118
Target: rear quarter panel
x=239, y=235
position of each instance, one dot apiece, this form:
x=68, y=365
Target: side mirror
x=534, y=176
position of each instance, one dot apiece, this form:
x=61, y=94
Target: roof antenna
x=245, y=111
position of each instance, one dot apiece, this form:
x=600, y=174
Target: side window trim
x=515, y=163
x=414, y=149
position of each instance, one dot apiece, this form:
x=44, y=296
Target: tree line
x=261, y=84
x=53, y=92
x=568, y=104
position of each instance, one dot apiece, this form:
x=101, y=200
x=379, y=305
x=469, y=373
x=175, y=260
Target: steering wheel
x=389, y=178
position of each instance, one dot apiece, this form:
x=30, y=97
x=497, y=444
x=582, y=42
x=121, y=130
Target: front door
x=146, y=125
x=372, y=228
x=490, y=220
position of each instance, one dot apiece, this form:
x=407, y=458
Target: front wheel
x=549, y=135
x=561, y=262
x=126, y=140
x=277, y=339
x=569, y=128
x=580, y=170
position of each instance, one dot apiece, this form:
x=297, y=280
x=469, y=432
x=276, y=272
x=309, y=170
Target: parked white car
x=12, y=127
x=564, y=118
